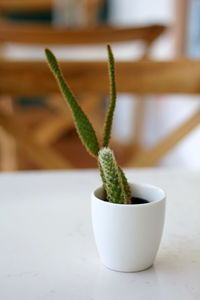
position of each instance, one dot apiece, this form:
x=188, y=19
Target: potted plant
x=127, y=218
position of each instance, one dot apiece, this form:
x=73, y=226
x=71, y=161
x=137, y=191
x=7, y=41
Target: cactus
x=115, y=185
x=114, y=180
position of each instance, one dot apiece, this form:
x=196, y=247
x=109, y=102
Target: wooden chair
x=43, y=35
x=8, y=146
x=147, y=77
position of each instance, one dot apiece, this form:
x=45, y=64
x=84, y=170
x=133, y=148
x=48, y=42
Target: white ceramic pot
x=128, y=236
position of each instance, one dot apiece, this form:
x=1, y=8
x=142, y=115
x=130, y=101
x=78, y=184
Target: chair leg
x=8, y=152
x=7, y=142
x=151, y=157
x=45, y=157
x=134, y=146
x=91, y=9
x=139, y=122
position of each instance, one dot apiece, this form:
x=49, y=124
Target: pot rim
x=142, y=185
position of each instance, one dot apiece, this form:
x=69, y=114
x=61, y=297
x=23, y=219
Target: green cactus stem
x=126, y=187
x=112, y=104
x=83, y=125
x=115, y=183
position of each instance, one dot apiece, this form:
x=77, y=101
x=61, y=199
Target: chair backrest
x=44, y=34
x=142, y=77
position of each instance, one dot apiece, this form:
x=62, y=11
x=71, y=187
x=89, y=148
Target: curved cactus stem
x=110, y=174
x=126, y=191
x=114, y=180
x=83, y=125
x=112, y=104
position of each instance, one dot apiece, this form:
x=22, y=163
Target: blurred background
x=150, y=129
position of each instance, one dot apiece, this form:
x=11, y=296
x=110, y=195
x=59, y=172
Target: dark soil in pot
x=136, y=200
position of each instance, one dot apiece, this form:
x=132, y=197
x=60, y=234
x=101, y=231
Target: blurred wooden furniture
x=11, y=32
x=90, y=8
x=45, y=35
x=25, y=5
x=8, y=146
x=180, y=27
x=186, y=29
x=147, y=77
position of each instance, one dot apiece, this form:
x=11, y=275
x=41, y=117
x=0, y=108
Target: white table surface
x=47, y=249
